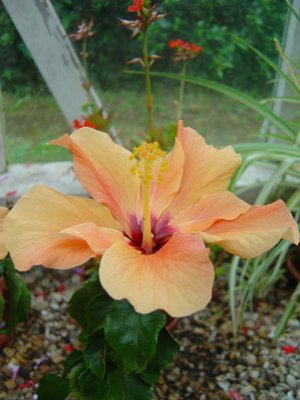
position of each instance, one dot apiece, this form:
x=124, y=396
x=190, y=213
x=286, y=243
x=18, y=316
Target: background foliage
x=208, y=23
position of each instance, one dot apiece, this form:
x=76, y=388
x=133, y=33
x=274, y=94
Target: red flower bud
x=136, y=6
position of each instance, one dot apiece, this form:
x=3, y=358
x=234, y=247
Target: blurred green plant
x=15, y=298
x=200, y=21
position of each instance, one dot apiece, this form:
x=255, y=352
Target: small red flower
x=39, y=293
x=88, y=124
x=68, y=348
x=173, y=43
x=234, y=395
x=245, y=330
x=61, y=288
x=289, y=349
x=184, y=51
x=26, y=384
x=76, y=124
x=195, y=48
x=81, y=124
x=136, y=6
x=180, y=44
x=11, y=194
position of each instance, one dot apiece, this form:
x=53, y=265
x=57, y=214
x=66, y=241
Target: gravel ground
x=211, y=364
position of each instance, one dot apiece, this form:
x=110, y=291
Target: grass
x=33, y=121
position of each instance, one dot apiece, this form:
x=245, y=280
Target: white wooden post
x=53, y=53
x=2, y=133
x=291, y=48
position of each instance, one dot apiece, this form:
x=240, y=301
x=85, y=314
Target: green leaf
x=166, y=349
x=2, y=267
x=94, y=355
x=24, y=304
x=73, y=359
x=96, y=311
x=74, y=375
x=80, y=300
x=52, y=386
x=230, y=92
x=276, y=148
x=289, y=311
x=132, y=335
x=85, y=385
x=127, y=387
x=91, y=386
x=19, y=296
x=2, y=305
x=269, y=62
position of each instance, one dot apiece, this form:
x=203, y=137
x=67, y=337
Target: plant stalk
x=87, y=82
x=149, y=97
x=181, y=91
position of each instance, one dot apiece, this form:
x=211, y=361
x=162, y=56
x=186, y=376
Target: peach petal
x=3, y=250
x=33, y=229
x=206, y=169
x=57, y=251
x=104, y=170
x=254, y=232
x=207, y=210
x=99, y=239
x=163, y=192
x=177, y=279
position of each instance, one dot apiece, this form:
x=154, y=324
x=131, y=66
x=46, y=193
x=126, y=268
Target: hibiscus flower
x=148, y=218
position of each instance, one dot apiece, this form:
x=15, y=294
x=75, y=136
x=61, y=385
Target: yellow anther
x=145, y=156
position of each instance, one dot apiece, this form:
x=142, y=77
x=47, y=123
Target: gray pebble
x=251, y=359
x=291, y=381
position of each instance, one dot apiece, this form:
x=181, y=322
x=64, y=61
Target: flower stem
x=149, y=98
x=87, y=82
x=181, y=91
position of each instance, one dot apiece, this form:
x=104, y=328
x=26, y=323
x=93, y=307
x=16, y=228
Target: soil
x=211, y=365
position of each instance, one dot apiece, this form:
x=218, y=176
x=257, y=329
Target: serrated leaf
x=96, y=311
x=132, y=335
x=127, y=387
x=80, y=300
x=52, y=386
x=166, y=349
x=73, y=359
x=94, y=355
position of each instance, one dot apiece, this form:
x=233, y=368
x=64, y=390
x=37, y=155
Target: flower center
x=149, y=161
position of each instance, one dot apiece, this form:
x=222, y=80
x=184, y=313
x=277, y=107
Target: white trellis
x=58, y=63
x=42, y=32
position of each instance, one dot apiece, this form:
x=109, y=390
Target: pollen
x=146, y=156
